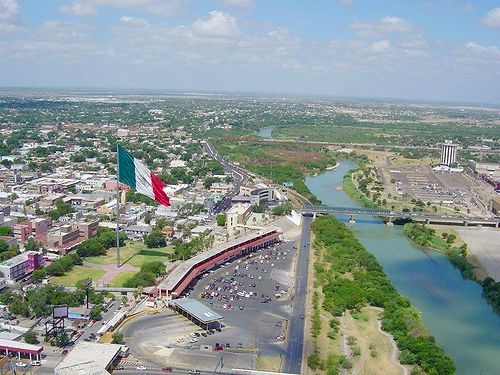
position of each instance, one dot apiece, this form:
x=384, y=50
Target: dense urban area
x=248, y=270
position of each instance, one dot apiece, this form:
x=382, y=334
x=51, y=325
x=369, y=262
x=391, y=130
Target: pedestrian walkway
x=111, y=271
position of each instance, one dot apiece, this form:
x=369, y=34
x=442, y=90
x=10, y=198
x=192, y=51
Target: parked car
x=35, y=363
x=21, y=364
x=167, y=369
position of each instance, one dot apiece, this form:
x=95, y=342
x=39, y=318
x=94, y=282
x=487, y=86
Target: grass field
x=76, y=274
x=120, y=279
x=134, y=253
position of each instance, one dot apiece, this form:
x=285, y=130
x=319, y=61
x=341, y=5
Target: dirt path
x=111, y=270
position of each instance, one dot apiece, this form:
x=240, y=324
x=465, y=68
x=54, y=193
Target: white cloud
x=134, y=21
x=8, y=9
x=237, y=3
x=216, y=25
x=478, y=48
x=382, y=27
x=158, y=7
x=380, y=46
x=492, y=19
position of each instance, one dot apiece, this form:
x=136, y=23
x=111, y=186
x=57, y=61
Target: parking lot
x=253, y=294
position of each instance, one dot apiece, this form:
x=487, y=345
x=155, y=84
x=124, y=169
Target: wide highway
x=295, y=343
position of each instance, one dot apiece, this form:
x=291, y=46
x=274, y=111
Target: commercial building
x=448, y=153
x=89, y=358
x=138, y=231
x=20, y=349
x=88, y=229
x=221, y=188
x=179, y=279
x=45, y=185
x=196, y=312
x=237, y=215
x=21, y=265
x=261, y=195
x=31, y=228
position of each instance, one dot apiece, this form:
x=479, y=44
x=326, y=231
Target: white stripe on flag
x=143, y=179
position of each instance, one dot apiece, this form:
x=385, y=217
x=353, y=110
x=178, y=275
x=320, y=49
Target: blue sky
x=430, y=49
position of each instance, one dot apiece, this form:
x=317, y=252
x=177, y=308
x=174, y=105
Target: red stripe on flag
x=160, y=195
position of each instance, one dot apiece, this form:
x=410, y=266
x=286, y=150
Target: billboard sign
x=60, y=311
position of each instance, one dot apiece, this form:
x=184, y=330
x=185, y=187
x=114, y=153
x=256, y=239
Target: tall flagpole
x=117, y=208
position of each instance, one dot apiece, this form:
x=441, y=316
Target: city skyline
x=434, y=50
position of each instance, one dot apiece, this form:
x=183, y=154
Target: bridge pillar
x=389, y=222
x=352, y=220
x=427, y=221
x=497, y=224
x=466, y=223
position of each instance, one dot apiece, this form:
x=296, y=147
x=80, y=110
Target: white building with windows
x=448, y=153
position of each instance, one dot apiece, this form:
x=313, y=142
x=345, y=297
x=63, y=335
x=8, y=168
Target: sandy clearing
x=484, y=245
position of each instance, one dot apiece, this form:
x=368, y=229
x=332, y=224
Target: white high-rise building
x=448, y=153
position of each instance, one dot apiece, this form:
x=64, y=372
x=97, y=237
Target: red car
x=65, y=351
x=167, y=369
x=219, y=348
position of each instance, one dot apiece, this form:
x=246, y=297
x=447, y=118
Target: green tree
x=118, y=338
x=451, y=238
x=155, y=239
x=30, y=337
x=32, y=245
x=6, y=231
x=62, y=340
x=221, y=220
x=3, y=246
x=38, y=275
x=95, y=313
x=161, y=223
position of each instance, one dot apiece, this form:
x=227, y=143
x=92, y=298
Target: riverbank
x=350, y=278
x=458, y=256
x=352, y=191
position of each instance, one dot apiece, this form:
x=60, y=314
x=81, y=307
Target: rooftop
x=180, y=271
x=239, y=208
x=88, y=358
x=197, y=309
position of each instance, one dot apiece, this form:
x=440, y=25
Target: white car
x=35, y=363
x=142, y=368
x=21, y=364
x=193, y=340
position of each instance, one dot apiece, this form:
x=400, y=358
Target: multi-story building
x=237, y=215
x=63, y=239
x=21, y=265
x=50, y=185
x=88, y=229
x=448, y=153
x=31, y=228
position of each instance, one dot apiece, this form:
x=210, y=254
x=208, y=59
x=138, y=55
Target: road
x=295, y=345
x=240, y=177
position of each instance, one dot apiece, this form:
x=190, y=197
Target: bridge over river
x=426, y=217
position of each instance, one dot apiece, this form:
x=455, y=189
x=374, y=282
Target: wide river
x=462, y=322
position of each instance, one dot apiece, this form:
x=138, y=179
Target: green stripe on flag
x=127, y=167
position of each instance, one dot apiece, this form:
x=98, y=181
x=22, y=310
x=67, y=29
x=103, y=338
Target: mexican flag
x=135, y=174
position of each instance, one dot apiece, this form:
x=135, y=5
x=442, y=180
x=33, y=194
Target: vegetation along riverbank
x=349, y=278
